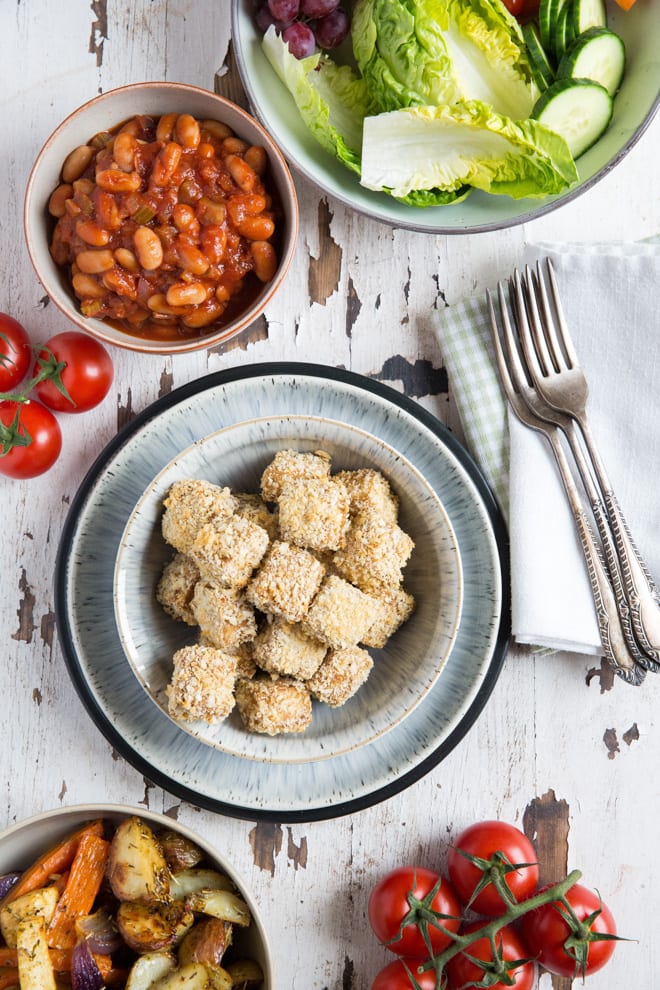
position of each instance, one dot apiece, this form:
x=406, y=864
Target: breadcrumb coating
x=370, y=494
x=224, y=615
x=286, y=581
x=314, y=513
x=283, y=649
x=253, y=507
x=176, y=587
x=227, y=550
x=274, y=707
x=399, y=605
x=202, y=684
x=289, y=465
x=374, y=554
x=340, y=675
x=189, y=504
x=341, y=614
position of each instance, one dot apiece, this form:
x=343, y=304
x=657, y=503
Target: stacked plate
x=428, y=684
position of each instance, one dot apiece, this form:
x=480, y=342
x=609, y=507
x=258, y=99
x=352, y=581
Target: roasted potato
x=194, y=976
x=137, y=870
x=221, y=904
x=187, y=881
x=151, y=927
x=246, y=974
x=180, y=853
x=206, y=942
x=149, y=968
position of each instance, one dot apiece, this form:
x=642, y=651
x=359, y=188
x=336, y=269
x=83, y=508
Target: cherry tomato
x=15, y=353
x=462, y=971
x=545, y=931
x=392, y=901
x=395, y=977
x=499, y=842
x=87, y=373
x=522, y=8
x=37, y=423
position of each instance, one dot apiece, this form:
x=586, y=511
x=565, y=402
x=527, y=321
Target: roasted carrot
x=85, y=879
x=55, y=860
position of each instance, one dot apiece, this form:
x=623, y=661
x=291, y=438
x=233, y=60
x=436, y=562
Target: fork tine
x=543, y=347
x=516, y=368
x=556, y=325
x=525, y=332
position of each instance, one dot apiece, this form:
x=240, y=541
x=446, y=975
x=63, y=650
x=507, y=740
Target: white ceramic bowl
x=407, y=667
x=634, y=107
x=22, y=843
x=106, y=112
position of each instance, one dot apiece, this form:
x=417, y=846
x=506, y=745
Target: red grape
x=317, y=8
x=284, y=10
x=332, y=29
x=300, y=39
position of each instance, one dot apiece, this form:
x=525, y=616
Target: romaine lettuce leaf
x=428, y=52
x=446, y=148
x=333, y=101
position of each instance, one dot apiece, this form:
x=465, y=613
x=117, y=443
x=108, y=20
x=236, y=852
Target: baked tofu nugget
x=399, y=605
x=374, y=554
x=189, y=504
x=253, y=507
x=228, y=550
x=274, y=707
x=245, y=665
x=314, y=513
x=282, y=648
x=223, y=615
x=175, y=589
x=286, y=581
x=290, y=465
x=341, y=614
x=202, y=684
x=370, y=494
x=340, y=675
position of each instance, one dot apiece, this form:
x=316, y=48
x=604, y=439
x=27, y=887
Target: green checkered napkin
x=467, y=349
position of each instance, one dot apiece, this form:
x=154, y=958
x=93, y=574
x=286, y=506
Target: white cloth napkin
x=610, y=296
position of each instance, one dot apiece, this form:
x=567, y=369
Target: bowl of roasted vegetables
x=453, y=116
x=98, y=896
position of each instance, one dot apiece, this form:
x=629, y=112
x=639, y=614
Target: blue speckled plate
x=147, y=737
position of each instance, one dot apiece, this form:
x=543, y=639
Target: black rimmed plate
x=106, y=683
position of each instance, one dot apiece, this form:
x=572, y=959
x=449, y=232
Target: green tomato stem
x=515, y=911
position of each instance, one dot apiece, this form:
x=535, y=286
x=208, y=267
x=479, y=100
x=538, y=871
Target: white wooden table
x=558, y=750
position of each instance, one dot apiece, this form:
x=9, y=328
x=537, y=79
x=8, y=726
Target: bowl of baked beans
x=161, y=217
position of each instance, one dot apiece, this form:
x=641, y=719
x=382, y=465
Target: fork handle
x=607, y=611
x=638, y=585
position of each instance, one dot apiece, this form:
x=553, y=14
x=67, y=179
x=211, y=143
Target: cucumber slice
x=588, y=14
x=598, y=54
x=548, y=14
x=541, y=69
x=564, y=35
x=579, y=110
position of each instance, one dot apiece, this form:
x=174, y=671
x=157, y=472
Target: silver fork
x=515, y=385
x=560, y=381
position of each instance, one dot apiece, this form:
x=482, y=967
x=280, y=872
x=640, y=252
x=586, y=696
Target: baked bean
x=265, y=260
x=191, y=258
x=216, y=129
x=258, y=228
x=57, y=201
x=186, y=294
x=126, y=259
x=165, y=127
x=148, y=248
x=186, y=131
x=94, y=262
x=90, y=232
x=166, y=163
x=243, y=174
x=183, y=217
x=113, y=180
x=234, y=146
x=123, y=151
x=256, y=158
x=76, y=162
x=165, y=224
x=86, y=287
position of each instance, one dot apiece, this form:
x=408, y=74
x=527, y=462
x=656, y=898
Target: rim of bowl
x=96, y=328
x=83, y=811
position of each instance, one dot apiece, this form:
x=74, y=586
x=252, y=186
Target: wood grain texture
x=562, y=750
